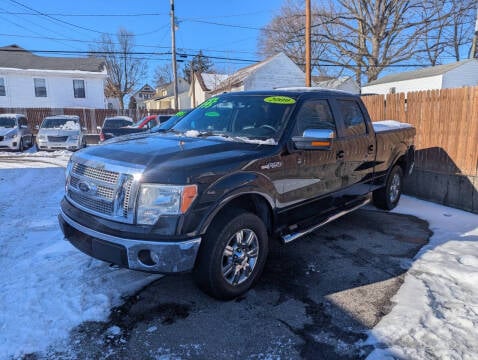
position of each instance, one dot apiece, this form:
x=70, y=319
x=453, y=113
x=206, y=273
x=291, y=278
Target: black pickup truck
x=239, y=171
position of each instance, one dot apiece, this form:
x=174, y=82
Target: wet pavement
x=317, y=299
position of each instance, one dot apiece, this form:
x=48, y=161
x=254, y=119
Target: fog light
x=148, y=257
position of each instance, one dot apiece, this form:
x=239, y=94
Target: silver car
x=14, y=132
x=61, y=132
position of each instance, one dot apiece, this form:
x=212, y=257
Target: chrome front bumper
x=149, y=256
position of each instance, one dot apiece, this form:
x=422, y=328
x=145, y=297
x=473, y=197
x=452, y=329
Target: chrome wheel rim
x=240, y=256
x=395, y=188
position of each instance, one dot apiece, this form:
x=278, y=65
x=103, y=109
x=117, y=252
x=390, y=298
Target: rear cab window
x=352, y=116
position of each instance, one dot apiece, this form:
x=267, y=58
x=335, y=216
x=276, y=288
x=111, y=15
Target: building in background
x=345, y=83
x=143, y=94
x=32, y=81
x=454, y=75
x=202, y=85
x=164, y=97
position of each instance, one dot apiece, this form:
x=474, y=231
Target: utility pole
x=173, y=52
x=307, y=44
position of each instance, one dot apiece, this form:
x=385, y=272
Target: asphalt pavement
x=317, y=299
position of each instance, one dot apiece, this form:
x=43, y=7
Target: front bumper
x=52, y=145
x=11, y=144
x=149, y=256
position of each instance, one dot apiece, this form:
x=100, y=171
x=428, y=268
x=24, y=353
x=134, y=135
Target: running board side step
x=290, y=237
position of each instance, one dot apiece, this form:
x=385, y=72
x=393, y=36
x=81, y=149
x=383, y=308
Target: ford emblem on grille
x=87, y=187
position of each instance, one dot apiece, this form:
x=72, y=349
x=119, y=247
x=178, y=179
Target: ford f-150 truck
x=239, y=171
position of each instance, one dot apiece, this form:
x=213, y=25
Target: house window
x=79, y=89
x=2, y=87
x=40, y=87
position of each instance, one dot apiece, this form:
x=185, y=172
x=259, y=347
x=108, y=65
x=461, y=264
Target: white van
x=61, y=132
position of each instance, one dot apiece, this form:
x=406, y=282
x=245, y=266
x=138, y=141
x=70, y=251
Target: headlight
x=74, y=137
x=156, y=200
x=41, y=137
x=11, y=136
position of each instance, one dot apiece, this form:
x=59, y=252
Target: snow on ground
x=436, y=310
x=47, y=286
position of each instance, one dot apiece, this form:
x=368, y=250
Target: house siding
x=279, y=72
x=20, y=90
x=465, y=75
x=428, y=83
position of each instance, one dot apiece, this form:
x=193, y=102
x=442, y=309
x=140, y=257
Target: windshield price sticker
x=284, y=100
x=212, y=114
x=208, y=103
x=180, y=113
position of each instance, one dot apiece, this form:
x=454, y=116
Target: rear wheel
x=387, y=197
x=232, y=255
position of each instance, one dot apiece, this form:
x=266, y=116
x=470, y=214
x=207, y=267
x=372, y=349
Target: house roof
x=16, y=57
x=241, y=75
x=146, y=88
x=209, y=81
x=332, y=83
x=422, y=73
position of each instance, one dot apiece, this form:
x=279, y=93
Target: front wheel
x=232, y=255
x=21, y=146
x=387, y=197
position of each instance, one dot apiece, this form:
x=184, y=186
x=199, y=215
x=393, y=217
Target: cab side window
x=314, y=114
x=354, y=122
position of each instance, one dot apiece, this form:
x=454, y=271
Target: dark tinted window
x=40, y=87
x=79, y=89
x=314, y=114
x=2, y=87
x=354, y=122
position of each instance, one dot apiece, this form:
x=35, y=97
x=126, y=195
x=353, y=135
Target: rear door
x=355, y=147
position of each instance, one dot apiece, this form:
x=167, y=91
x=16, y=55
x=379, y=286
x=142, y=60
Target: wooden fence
x=446, y=123
x=90, y=118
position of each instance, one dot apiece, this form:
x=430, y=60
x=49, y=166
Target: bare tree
x=451, y=31
x=286, y=32
x=363, y=37
x=125, y=71
x=163, y=74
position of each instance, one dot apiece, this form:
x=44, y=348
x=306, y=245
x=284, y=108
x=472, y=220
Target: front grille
x=95, y=173
x=102, y=192
x=98, y=206
x=57, y=138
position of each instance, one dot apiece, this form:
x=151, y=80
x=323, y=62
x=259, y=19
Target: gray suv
x=14, y=132
x=61, y=132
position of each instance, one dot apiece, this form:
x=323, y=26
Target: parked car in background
x=112, y=124
x=61, y=132
x=14, y=132
x=170, y=122
x=145, y=124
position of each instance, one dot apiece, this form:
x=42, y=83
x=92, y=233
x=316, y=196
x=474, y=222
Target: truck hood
x=176, y=159
x=6, y=131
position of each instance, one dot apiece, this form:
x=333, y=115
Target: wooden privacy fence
x=90, y=118
x=446, y=122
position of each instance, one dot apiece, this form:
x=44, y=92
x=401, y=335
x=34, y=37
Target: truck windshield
x=245, y=117
x=116, y=123
x=7, y=122
x=59, y=123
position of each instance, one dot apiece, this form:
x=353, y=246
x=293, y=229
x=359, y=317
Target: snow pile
x=47, y=286
x=385, y=125
x=70, y=125
x=436, y=309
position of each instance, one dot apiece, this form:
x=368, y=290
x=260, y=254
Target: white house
x=201, y=86
x=458, y=74
x=145, y=93
x=275, y=71
x=28, y=80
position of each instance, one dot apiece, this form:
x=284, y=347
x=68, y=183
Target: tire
x=387, y=198
x=21, y=146
x=232, y=255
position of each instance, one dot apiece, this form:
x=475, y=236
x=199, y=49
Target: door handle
x=370, y=148
x=340, y=154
